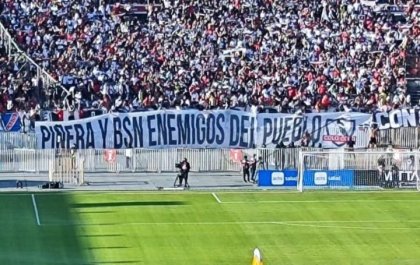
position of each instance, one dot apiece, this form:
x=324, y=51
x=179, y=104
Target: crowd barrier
x=401, y=137
x=147, y=160
x=202, y=160
x=163, y=160
x=14, y=140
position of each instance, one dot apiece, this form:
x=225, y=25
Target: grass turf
x=193, y=228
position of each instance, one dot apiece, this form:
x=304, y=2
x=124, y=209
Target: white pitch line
x=314, y=224
x=38, y=222
x=319, y=201
x=353, y=221
x=349, y=227
x=217, y=198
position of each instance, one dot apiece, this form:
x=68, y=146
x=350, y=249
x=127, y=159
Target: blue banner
x=284, y=178
x=325, y=178
x=10, y=122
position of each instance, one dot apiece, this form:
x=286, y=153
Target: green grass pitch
x=193, y=228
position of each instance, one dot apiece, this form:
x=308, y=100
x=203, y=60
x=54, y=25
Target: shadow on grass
x=118, y=262
x=122, y=204
x=40, y=244
x=87, y=212
x=107, y=247
x=102, y=235
x=56, y=241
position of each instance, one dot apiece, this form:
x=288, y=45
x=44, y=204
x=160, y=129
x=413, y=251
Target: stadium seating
x=19, y=87
x=307, y=56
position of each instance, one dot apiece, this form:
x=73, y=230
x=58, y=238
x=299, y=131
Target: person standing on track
x=185, y=170
x=245, y=169
x=253, y=165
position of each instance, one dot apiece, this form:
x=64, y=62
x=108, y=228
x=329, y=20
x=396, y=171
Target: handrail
x=47, y=79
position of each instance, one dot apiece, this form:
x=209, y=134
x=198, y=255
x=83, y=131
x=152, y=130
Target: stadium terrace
x=304, y=56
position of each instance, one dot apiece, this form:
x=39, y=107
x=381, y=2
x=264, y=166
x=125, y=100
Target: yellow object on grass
x=257, y=259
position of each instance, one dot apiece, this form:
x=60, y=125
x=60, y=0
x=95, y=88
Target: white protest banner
x=327, y=130
x=155, y=129
x=397, y=119
x=202, y=129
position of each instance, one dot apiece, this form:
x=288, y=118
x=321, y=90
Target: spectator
x=128, y=158
x=245, y=169
x=373, y=134
x=253, y=166
x=305, y=139
x=350, y=144
x=18, y=85
x=280, y=145
x=301, y=56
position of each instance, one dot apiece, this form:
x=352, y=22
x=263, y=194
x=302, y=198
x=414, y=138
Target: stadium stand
x=266, y=55
x=19, y=86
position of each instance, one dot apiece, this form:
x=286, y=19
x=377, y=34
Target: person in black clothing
x=280, y=145
x=279, y=156
x=245, y=169
x=374, y=132
x=253, y=164
x=381, y=171
x=350, y=148
x=395, y=181
x=185, y=169
x=19, y=184
x=350, y=144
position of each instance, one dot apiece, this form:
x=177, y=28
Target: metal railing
x=25, y=160
x=401, y=137
x=12, y=48
x=355, y=160
x=145, y=160
x=14, y=140
x=202, y=160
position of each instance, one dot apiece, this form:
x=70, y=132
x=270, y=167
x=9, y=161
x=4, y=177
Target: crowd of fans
x=19, y=86
x=292, y=56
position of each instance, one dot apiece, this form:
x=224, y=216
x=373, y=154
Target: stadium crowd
x=301, y=55
x=19, y=85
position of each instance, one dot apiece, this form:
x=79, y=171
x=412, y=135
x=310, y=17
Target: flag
x=257, y=259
